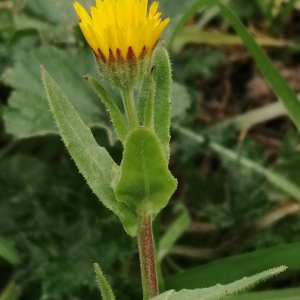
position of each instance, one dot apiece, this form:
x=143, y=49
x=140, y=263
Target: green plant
x=141, y=186
x=246, y=198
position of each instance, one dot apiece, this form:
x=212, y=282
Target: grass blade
x=229, y=269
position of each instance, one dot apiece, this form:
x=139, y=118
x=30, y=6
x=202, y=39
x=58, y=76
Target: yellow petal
x=157, y=32
x=120, y=24
x=153, y=9
x=88, y=36
x=81, y=12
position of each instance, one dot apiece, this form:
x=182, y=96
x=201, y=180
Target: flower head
x=121, y=28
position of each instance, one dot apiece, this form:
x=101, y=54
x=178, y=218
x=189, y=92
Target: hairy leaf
x=162, y=97
x=146, y=183
x=105, y=289
x=93, y=161
x=115, y=113
x=220, y=291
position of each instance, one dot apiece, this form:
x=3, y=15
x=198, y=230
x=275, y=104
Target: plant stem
x=147, y=258
x=130, y=110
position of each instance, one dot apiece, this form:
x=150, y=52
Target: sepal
x=123, y=72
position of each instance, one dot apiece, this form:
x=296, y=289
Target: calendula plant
x=124, y=38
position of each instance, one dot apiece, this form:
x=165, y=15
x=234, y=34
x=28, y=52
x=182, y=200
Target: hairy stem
x=128, y=101
x=147, y=258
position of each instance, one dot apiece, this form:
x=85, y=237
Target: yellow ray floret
x=121, y=24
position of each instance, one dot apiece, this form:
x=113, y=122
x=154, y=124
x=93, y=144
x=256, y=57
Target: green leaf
x=53, y=20
x=162, y=97
x=239, y=266
x=10, y=292
x=275, y=79
x=115, y=113
x=8, y=252
x=180, y=100
x=279, y=294
x=145, y=184
x=143, y=97
x=145, y=100
x=164, y=296
x=94, y=162
x=149, y=109
x=48, y=210
x=220, y=291
x=105, y=289
x=27, y=113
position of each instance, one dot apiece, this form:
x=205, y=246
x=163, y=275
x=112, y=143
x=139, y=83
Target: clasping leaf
x=145, y=184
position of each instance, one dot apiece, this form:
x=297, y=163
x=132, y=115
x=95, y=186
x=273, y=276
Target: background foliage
x=236, y=210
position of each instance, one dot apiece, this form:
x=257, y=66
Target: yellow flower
x=121, y=28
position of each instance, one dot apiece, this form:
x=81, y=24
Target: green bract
x=123, y=72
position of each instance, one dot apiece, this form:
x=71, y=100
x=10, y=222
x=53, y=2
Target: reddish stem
x=147, y=258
